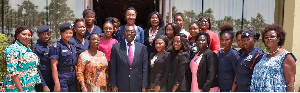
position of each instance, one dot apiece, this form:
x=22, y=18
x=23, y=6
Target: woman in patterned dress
x=194, y=29
x=22, y=74
x=275, y=72
x=91, y=67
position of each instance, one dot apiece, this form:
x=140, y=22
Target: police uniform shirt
x=41, y=50
x=64, y=55
x=245, y=63
x=79, y=46
x=96, y=30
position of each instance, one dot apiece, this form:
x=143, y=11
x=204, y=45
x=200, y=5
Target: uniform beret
x=42, y=29
x=65, y=26
x=250, y=33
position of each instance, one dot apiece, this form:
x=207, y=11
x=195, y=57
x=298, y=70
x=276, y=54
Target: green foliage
x=27, y=15
x=59, y=13
x=3, y=45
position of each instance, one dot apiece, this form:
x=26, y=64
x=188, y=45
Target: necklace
x=92, y=53
x=274, y=51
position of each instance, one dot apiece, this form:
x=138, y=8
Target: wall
x=291, y=26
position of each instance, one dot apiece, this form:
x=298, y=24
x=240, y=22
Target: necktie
x=130, y=54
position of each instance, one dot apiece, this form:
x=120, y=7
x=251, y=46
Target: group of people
x=159, y=58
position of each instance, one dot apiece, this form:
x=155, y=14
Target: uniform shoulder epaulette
x=55, y=44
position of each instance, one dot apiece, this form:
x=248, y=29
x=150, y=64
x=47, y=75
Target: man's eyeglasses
x=129, y=31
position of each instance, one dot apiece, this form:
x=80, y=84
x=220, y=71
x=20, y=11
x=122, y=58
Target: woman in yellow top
x=91, y=67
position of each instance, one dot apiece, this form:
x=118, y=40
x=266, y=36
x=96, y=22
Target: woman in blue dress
x=78, y=39
x=22, y=74
x=275, y=72
x=227, y=59
x=89, y=17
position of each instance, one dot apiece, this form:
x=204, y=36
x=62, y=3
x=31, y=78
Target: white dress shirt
x=132, y=47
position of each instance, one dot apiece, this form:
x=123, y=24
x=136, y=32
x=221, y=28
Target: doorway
x=116, y=8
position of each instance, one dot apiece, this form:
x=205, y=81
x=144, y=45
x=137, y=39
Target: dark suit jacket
x=126, y=77
x=159, y=71
x=207, y=71
x=151, y=49
x=177, y=75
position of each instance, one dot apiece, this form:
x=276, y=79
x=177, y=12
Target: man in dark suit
x=129, y=64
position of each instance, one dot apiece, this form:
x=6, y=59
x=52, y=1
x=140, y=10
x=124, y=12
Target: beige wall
x=291, y=25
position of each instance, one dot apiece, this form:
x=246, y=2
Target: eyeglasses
x=154, y=18
x=131, y=15
x=108, y=29
x=129, y=31
x=204, y=21
x=270, y=37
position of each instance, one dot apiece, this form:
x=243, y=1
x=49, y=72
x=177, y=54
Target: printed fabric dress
x=91, y=70
x=23, y=62
x=268, y=74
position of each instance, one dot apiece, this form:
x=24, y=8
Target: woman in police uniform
x=63, y=61
x=247, y=61
x=41, y=49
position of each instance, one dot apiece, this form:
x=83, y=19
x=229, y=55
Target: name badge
x=64, y=51
x=249, y=58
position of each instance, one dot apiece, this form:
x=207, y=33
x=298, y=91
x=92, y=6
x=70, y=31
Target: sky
x=222, y=8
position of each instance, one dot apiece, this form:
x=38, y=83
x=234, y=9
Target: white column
x=164, y=11
x=160, y=6
x=170, y=11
